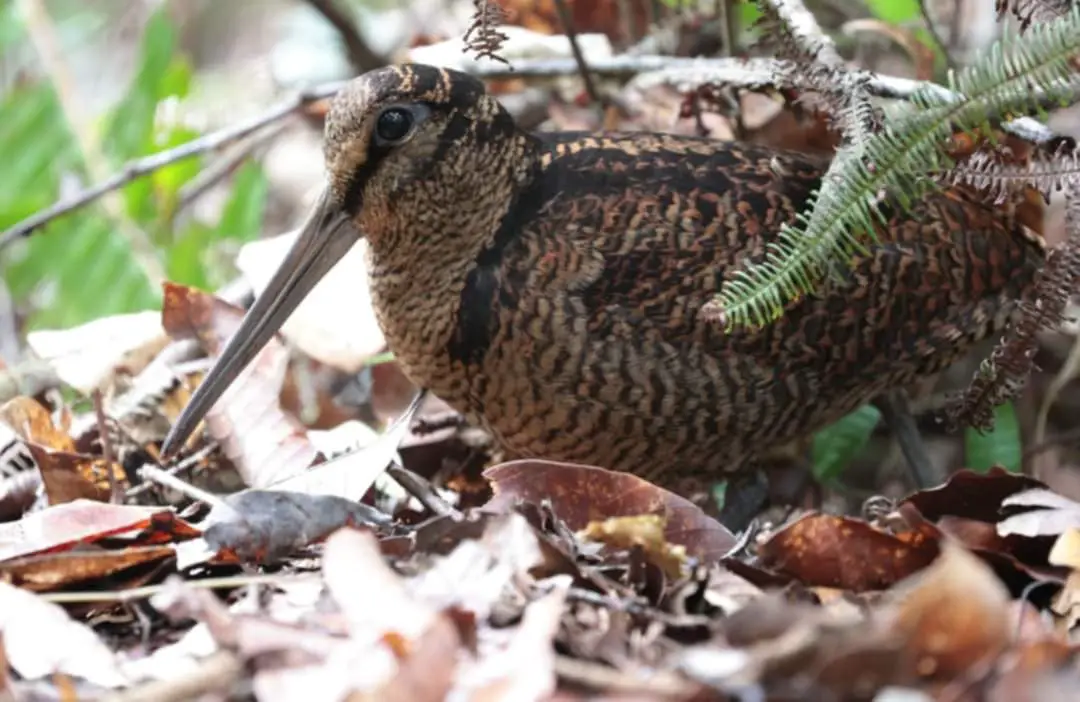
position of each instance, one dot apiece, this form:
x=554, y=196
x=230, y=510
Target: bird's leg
x=896, y=411
x=745, y=496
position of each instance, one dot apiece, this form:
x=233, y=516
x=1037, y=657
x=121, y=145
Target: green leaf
x=168, y=181
x=1001, y=446
x=185, y=261
x=242, y=217
x=837, y=445
x=129, y=129
x=77, y=268
x=895, y=11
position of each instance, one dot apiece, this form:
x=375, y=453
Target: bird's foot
x=896, y=411
x=745, y=497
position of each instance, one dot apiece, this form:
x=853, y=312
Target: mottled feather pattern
x=551, y=286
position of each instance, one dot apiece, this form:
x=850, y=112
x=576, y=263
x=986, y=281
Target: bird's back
x=580, y=326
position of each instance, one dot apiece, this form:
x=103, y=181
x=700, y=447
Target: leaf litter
x=277, y=559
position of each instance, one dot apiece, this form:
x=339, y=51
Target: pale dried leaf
x=40, y=639
x=85, y=357
x=318, y=327
x=69, y=523
x=1060, y=514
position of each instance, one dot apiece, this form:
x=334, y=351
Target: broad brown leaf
x=582, y=494
x=842, y=552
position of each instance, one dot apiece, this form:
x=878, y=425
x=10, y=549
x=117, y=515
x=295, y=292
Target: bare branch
x=149, y=164
x=750, y=74
x=567, y=21
x=683, y=73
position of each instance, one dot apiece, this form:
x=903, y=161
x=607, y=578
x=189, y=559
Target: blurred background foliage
x=100, y=260
x=85, y=87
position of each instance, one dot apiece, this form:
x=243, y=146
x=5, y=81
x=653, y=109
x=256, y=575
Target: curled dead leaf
x=954, y=615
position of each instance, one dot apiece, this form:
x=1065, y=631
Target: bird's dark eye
x=393, y=124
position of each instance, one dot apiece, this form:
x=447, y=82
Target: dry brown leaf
x=1066, y=551
x=53, y=571
x=581, y=494
x=426, y=668
x=953, y=615
x=610, y=17
x=847, y=553
x=525, y=669
x=971, y=495
x=72, y=476
x=31, y=421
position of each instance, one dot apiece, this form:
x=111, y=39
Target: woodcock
x=549, y=286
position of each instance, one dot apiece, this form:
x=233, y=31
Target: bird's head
x=403, y=144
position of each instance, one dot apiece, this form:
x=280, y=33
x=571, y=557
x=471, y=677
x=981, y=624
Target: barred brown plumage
x=550, y=286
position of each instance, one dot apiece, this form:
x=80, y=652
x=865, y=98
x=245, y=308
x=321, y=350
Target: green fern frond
x=1020, y=75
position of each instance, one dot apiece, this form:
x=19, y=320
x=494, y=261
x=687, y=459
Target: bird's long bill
x=326, y=236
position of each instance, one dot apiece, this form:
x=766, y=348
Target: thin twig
x=116, y=497
x=176, y=469
x=152, y=473
x=567, y=21
x=806, y=31
x=931, y=27
x=224, y=166
x=362, y=57
x=149, y=164
x=753, y=73
x=423, y=491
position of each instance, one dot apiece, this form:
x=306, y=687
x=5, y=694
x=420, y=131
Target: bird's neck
x=423, y=243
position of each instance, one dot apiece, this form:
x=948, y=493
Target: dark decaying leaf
x=973, y=508
x=582, y=494
x=71, y=476
x=67, y=474
x=971, y=494
x=265, y=526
